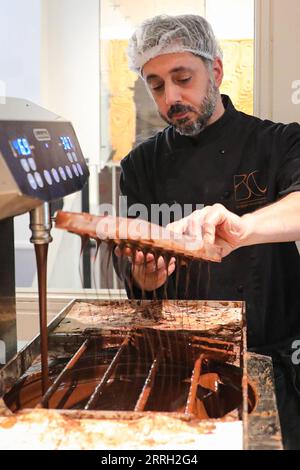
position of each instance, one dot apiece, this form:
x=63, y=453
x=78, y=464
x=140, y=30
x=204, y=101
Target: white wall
x=125, y=15
x=20, y=76
x=277, y=61
x=70, y=88
x=20, y=47
x=231, y=19
x=286, y=59
x=70, y=67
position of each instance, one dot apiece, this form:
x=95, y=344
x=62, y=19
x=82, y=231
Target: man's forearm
x=278, y=222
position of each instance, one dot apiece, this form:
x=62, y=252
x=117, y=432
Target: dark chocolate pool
x=218, y=393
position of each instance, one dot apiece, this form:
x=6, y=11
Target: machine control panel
x=44, y=158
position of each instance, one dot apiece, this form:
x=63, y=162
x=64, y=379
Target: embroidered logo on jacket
x=247, y=191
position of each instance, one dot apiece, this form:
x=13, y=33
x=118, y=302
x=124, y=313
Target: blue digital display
x=21, y=147
x=67, y=144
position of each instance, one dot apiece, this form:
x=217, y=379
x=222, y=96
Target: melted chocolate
x=219, y=390
x=41, y=252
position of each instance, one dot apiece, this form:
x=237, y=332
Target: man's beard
x=192, y=128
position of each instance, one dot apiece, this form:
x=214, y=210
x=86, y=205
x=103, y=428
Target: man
x=246, y=173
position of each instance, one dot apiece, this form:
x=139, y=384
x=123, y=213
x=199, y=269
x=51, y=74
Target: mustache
x=178, y=109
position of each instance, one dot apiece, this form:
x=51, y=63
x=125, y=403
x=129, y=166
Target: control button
x=69, y=172
x=62, y=173
x=69, y=155
x=75, y=170
x=32, y=164
x=74, y=157
x=25, y=165
x=31, y=181
x=55, y=175
x=38, y=179
x=48, y=177
x=79, y=169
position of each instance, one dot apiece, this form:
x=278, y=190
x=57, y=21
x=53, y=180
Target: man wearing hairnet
x=244, y=172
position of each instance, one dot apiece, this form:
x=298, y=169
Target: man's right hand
x=148, y=274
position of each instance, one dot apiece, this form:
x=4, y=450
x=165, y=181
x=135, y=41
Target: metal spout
x=40, y=225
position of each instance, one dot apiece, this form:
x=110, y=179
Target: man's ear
x=218, y=71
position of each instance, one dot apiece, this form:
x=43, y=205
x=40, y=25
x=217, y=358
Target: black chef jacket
x=243, y=163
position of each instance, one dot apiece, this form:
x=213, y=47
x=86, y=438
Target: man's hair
x=170, y=34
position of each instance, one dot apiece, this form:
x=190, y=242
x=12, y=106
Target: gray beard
x=205, y=112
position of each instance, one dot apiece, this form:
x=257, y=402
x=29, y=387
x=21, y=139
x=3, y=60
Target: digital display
x=66, y=142
x=21, y=147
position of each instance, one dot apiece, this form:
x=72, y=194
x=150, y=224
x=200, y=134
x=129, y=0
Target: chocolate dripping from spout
x=41, y=252
x=40, y=225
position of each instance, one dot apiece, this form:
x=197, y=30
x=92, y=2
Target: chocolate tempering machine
x=40, y=161
x=115, y=374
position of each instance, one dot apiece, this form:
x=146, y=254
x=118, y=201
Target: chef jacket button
x=226, y=194
x=240, y=289
x=222, y=152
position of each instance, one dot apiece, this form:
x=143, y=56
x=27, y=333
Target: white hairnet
x=165, y=34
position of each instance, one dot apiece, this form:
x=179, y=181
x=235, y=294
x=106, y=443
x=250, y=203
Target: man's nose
x=172, y=95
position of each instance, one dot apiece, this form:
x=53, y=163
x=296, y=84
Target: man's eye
x=157, y=87
x=184, y=80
